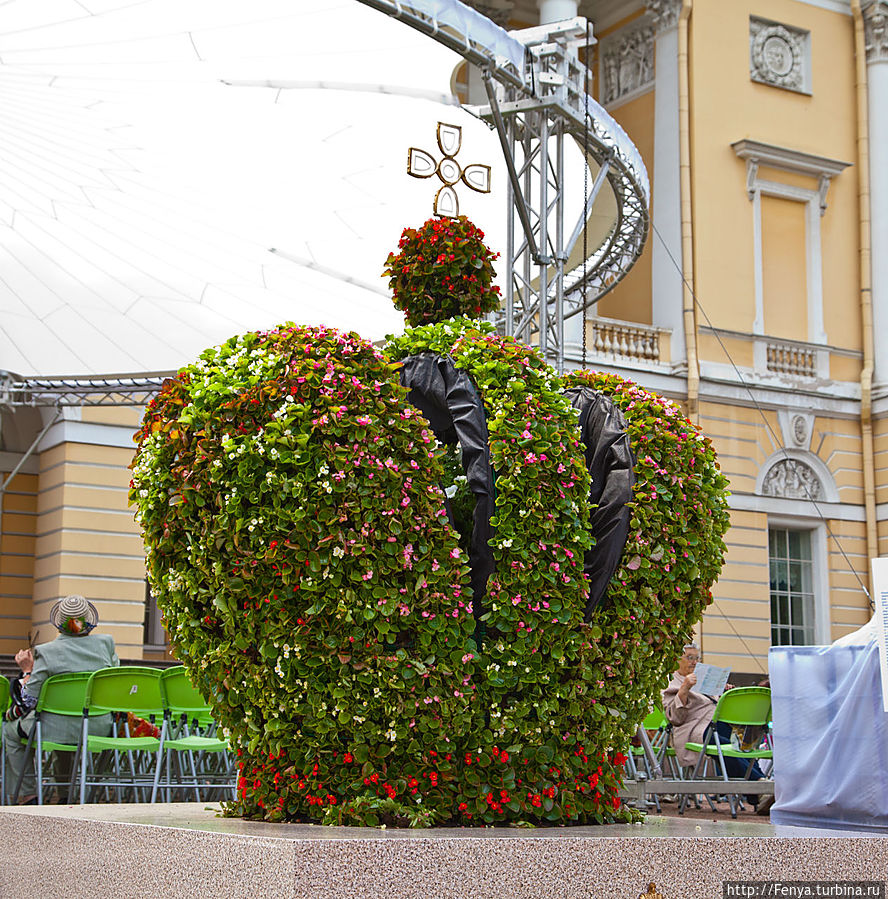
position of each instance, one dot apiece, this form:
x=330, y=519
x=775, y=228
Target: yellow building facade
x=67, y=526
x=760, y=304
x=763, y=130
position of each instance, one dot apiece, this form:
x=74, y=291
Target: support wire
x=761, y=412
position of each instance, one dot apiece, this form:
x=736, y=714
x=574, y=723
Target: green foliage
x=441, y=270
x=292, y=506
x=546, y=747
x=674, y=552
x=298, y=547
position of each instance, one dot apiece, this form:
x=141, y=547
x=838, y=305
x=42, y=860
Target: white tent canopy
x=141, y=195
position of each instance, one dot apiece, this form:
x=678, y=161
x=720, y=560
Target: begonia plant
x=299, y=546
x=442, y=269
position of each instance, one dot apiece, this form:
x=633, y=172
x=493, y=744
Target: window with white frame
x=153, y=634
x=792, y=587
x=773, y=216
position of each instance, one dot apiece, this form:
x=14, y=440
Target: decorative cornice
x=875, y=30
x=788, y=160
x=663, y=13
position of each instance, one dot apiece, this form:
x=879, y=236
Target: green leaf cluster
x=673, y=554
x=297, y=542
x=441, y=270
x=298, y=546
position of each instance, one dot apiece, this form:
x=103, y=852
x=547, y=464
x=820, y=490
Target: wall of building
x=67, y=528
x=745, y=405
x=17, y=552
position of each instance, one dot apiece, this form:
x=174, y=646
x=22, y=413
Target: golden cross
x=422, y=165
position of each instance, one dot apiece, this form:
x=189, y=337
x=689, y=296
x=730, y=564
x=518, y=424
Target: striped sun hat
x=74, y=615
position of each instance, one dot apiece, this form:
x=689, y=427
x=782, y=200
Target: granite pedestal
x=186, y=850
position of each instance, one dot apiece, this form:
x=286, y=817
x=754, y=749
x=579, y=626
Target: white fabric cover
x=474, y=26
x=830, y=737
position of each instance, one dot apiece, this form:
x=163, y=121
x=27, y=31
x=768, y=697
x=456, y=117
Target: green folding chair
x=4, y=705
x=745, y=707
x=209, y=763
x=122, y=690
x=655, y=721
x=663, y=753
x=61, y=694
x=661, y=743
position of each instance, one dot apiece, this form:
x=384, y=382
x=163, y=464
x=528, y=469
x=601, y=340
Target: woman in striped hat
x=75, y=648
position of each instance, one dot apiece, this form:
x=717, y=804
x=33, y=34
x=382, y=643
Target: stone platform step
x=186, y=851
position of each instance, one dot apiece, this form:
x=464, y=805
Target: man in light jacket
x=75, y=648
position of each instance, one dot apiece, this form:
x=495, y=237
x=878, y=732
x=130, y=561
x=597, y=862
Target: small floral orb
x=442, y=270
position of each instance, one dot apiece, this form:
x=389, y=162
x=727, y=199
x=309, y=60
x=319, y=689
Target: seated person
x=75, y=648
x=690, y=714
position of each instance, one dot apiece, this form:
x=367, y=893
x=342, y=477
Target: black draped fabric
x=610, y=462
x=448, y=399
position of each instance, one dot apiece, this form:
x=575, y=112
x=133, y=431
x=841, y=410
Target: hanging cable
x=779, y=443
x=585, y=188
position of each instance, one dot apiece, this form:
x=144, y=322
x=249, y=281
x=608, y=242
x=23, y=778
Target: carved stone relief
x=792, y=479
x=664, y=13
x=799, y=430
x=627, y=62
x=778, y=54
x=796, y=427
x=875, y=29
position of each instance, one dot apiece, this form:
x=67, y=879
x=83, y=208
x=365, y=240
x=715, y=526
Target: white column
x=557, y=10
x=875, y=19
x=666, y=282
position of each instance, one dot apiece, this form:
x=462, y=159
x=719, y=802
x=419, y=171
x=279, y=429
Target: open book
x=711, y=680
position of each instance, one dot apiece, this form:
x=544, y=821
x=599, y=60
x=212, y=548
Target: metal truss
x=535, y=251
x=534, y=108
x=123, y=390
x=543, y=289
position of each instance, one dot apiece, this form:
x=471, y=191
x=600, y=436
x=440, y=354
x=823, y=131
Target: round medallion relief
x=777, y=56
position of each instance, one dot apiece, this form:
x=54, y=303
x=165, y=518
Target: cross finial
x=422, y=165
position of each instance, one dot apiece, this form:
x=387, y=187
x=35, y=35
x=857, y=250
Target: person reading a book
x=690, y=713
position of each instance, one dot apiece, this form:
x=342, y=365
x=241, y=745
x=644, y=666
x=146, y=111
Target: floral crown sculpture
x=379, y=566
